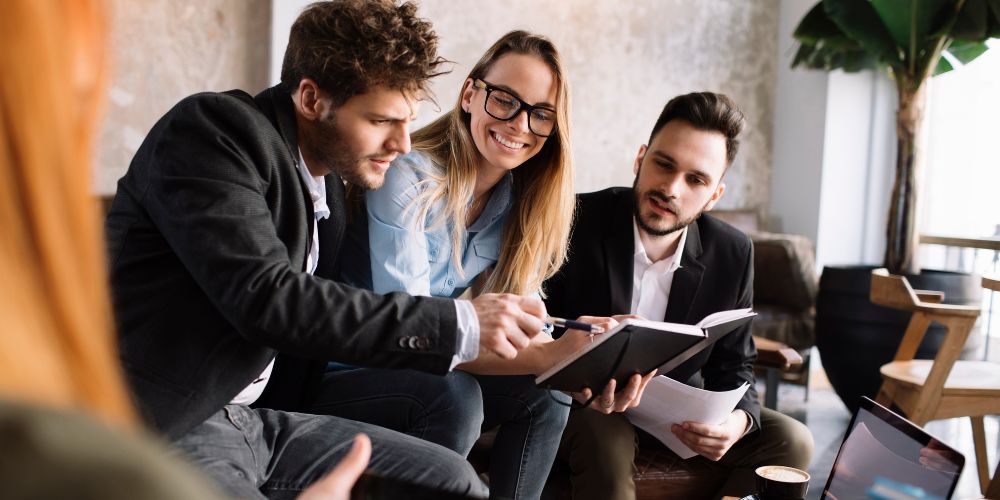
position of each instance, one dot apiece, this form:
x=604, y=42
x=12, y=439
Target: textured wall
x=625, y=60
x=164, y=50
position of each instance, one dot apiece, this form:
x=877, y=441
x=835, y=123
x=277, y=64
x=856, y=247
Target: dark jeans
x=452, y=410
x=260, y=453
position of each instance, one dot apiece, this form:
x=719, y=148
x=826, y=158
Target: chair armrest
x=773, y=354
x=930, y=296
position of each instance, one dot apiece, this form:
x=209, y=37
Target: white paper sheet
x=667, y=401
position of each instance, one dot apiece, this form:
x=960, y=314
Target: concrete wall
x=624, y=61
x=164, y=50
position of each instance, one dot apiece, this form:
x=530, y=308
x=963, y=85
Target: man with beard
x=652, y=252
x=224, y=232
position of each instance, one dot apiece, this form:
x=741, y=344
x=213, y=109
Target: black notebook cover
x=645, y=349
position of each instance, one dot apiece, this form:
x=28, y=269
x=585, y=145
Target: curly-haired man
x=224, y=232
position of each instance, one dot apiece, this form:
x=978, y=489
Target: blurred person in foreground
x=67, y=426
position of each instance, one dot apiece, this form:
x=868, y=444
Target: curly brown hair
x=349, y=47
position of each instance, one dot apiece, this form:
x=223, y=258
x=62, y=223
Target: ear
x=467, y=92
x=310, y=103
x=638, y=159
x=715, y=196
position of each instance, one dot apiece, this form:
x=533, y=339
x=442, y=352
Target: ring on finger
x=606, y=403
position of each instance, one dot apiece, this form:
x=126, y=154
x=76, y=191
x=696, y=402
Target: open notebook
x=638, y=346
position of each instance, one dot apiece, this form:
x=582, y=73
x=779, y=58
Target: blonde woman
x=483, y=203
x=66, y=422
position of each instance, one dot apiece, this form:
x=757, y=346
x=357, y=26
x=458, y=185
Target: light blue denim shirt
x=417, y=258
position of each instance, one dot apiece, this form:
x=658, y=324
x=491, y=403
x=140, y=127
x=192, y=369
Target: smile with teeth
x=505, y=142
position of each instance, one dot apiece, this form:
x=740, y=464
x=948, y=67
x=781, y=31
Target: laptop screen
x=885, y=456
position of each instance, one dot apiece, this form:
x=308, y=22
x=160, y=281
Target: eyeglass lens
x=504, y=106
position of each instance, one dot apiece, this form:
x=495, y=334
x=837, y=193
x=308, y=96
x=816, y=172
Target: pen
x=575, y=325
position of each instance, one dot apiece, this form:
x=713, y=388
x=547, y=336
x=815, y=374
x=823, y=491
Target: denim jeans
x=531, y=422
x=260, y=453
x=452, y=410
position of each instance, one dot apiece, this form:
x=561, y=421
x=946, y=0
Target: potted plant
x=912, y=40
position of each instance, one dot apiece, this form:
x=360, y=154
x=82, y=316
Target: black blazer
x=208, y=235
x=716, y=274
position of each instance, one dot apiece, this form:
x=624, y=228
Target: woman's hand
x=573, y=340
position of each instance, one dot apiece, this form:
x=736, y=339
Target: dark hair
x=349, y=47
x=706, y=111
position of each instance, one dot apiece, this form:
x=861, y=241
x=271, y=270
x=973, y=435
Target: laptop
x=885, y=456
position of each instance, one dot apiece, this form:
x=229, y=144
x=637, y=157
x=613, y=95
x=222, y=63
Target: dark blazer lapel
x=687, y=279
x=277, y=105
x=619, y=247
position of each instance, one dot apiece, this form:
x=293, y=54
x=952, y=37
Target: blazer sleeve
x=213, y=170
x=731, y=361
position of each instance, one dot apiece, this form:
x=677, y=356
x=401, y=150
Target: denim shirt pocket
x=487, y=252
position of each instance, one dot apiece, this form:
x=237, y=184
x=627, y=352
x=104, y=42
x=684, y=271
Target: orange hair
x=57, y=345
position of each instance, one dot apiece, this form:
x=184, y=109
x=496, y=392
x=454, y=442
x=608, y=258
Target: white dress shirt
x=651, y=281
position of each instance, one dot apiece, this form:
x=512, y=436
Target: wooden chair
x=943, y=387
x=993, y=283
x=774, y=358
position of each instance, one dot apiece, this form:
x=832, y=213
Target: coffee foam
x=782, y=474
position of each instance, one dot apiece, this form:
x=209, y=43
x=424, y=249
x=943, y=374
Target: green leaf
x=943, y=66
x=972, y=21
x=821, y=56
x=816, y=26
x=859, y=20
x=858, y=60
x=966, y=52
x=906, y=18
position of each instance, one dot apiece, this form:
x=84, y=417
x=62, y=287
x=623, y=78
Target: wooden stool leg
x=982, y=462
x=885, y=394
x=994, y=489
x=771, y=389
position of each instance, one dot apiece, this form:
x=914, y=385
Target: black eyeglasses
x=503, y=105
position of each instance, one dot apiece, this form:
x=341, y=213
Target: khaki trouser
x=600, y=449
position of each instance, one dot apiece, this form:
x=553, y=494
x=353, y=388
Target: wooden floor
x=827, y=418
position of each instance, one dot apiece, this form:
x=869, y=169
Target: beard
x=327, y=145
x=647, y=225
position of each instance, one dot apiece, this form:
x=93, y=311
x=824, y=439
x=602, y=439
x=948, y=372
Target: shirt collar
x=317, y=189
x=499, y=202
x=675, y=259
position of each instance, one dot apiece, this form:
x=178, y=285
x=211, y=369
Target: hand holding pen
x=574, y=325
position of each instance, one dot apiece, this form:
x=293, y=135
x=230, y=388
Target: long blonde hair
x=537, y=229
x=57, y=345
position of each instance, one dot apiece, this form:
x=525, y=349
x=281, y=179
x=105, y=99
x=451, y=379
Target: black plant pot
x=855, y=337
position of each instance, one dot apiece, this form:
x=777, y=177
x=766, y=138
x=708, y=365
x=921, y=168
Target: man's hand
x=609, y=402
x=507, y=322
x=336, y=485
x=713, y=441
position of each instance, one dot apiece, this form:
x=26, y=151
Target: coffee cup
x=777, y=482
